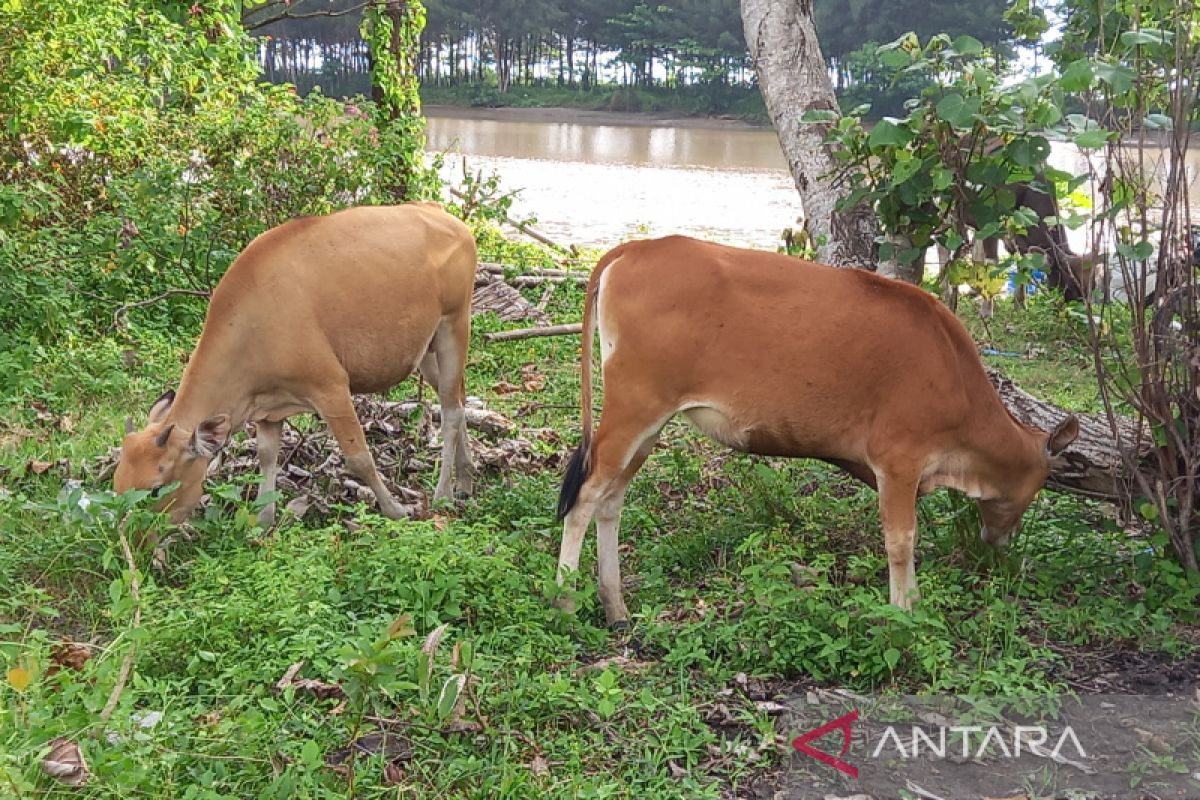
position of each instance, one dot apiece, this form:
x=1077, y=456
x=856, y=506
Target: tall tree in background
x=794, y=81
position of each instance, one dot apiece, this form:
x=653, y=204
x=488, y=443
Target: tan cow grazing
x=771, y=355
x=311, y=312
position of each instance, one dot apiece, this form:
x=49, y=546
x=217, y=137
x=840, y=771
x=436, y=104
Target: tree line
x=675, y=43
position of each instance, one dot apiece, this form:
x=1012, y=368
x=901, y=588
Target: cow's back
x=343, y=284
x=812, y=360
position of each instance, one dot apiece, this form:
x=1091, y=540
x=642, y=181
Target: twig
x=538, y=280
x=521, y=226
x=114, y=697
x=547, y=293
x=494, y=268
x=122, y=310
x=530, y=333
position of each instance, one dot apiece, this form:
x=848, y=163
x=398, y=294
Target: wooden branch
x=538, y=280
x=531, y=333
x=122, y=310
x=253, y=25
x=521, y=226
x=500, y=269
x=480, y=419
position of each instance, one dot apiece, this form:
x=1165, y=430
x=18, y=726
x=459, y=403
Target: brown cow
x=311, y=312
x=771, y=355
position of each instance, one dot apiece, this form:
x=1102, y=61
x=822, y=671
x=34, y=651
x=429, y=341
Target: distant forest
x=495, y=45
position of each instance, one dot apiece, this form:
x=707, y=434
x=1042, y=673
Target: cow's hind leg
x=608, y=526
x=622, y=442
x=269, y=436
x=898, y=512
x=337, y=409
x=449, y=347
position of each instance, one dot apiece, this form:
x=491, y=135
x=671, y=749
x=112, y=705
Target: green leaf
x=1077, y=76
x=888, y=134
x=1027, y=152
x=448, y=698
x=1145, y=36
x=904, y=170
x=1159, y=122
x=892, y=657
x=819, y=115
x=957, y=110
x=1117, y=76
x=1148, y=510
x=1090, y=140
x=895, y=58
x=310, y=754
x=968, y=46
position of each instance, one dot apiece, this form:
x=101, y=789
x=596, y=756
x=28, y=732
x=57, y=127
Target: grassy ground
x=714, y=547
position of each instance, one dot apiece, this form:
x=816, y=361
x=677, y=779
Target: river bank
x=678, y=105
x=556, y=115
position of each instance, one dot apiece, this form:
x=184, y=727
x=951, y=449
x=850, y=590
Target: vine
x=392, y=30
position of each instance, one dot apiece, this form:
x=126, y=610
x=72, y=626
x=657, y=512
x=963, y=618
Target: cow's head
x=163, y=453
x=1001, y=514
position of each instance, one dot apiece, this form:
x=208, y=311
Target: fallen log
x=1093, y=465
x=500, y=269
x=530, y=333
x=481, y=419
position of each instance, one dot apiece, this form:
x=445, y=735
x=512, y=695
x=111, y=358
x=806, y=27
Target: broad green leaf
x=1145, y=36
x=968, y=46
x=957, y=110
x=1117, y=76
x=310, y=754
x=1159, y=122
x=892, y=657
x=448, y=697
x=887, y=133
x=904, y=170
x=1077, y=76
x=895, y=58
x=1027, y=152
x=1090, y=140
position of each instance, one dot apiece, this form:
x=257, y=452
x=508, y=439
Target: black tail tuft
x=577, y=473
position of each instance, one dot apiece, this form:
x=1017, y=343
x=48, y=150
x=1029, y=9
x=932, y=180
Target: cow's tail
x=580, y=464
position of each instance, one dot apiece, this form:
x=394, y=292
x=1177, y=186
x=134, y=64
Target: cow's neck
x=993, y=455
x=213, y=383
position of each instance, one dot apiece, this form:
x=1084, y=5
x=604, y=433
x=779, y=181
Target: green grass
x=713, y=546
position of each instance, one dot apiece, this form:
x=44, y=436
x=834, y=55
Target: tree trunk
x=793, y=79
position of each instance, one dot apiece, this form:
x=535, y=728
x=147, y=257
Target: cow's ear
x=1063, y=435
x=158, y=411
x=210, y=437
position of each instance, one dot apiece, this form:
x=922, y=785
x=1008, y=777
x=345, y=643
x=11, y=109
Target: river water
x=595, y=181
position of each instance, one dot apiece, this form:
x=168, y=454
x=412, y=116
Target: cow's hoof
x=619, y=626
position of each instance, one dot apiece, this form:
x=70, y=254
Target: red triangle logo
x=842, y=723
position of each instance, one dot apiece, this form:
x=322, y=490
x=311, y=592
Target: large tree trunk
x=793, y=79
